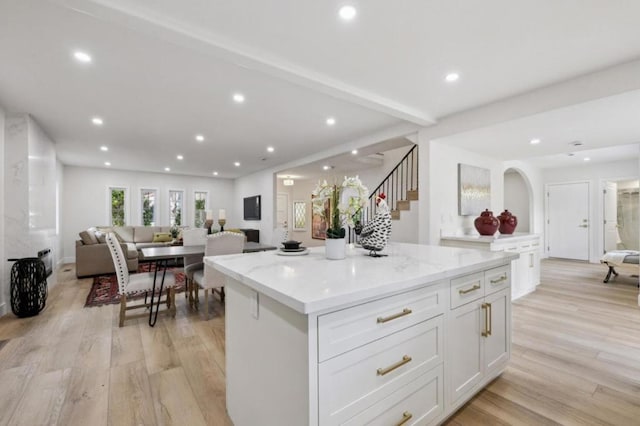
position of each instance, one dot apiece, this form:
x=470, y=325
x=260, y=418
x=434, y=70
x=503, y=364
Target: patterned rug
x=104, y=290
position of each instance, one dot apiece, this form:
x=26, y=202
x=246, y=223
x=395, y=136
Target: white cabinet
x=525, y=270
x=411, y=355
x=479, y=332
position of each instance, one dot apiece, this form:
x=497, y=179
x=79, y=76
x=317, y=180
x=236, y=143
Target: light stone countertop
x=313, y=284
x=496, y=238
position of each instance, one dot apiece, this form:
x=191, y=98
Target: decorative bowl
x=291, y=244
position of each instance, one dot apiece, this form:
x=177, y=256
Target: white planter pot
x=334, y=248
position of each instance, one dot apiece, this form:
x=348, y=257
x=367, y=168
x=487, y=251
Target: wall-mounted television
x=252, y=208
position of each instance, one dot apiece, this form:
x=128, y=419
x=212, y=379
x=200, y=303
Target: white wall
x=595, y=175
x=4, y=276
x=372, y=177
x=263, y=184
x=85, y=199
x=438, y=198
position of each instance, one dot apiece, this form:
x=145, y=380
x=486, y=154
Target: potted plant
x=345, y=203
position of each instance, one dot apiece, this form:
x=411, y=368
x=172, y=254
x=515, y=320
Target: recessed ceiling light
x=354, y=151
x=534, y=141
x=106, y=163
x=104, y=148
x=270, y=149
x=326, y=167
x=215, y=173
x=451, y=77
x=199, y=138
x=82, y=57
x=587, y=159
x=331, y=121
x=238, y=98
x=167, y=169
x=347, y=12
x=237, y=164
x=179, y=157
x=97, y=121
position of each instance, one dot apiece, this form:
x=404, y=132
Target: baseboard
x=67, y=260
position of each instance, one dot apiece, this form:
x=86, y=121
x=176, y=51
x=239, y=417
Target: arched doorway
x=518, y=198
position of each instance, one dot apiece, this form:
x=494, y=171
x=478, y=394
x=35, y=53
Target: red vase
x=486, y=224
x=508, y=222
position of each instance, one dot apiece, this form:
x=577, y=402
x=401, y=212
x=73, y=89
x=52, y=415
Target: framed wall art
x=474, y=190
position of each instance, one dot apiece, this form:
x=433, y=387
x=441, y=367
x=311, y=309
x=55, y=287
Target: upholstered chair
x=192, y=263
x=209, y=278
x=129, y=285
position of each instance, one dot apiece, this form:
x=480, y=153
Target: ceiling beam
x=150, y=22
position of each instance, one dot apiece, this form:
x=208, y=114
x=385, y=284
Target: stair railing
x=403, y=178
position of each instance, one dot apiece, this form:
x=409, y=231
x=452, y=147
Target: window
x=176, y=204
x=118, y=206
x=148, y=199
x=200, y=205
x=299, y=215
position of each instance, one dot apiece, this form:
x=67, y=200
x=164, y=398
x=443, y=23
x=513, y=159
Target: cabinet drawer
x=419, y=402
x=466, y=289
x=341, y=331
x=497, y=279
x=358, y=379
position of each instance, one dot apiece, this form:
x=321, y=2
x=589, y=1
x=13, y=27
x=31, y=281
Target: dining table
x=164, y=254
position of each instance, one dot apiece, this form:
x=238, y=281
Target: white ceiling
x=164, y=71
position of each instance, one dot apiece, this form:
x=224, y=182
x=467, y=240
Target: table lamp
x=209, y=221
x=222, y=219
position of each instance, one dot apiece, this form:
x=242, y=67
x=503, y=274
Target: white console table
x=525, y=271
x=405, y=338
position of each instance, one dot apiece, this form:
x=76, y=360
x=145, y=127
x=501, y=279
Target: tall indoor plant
x=345, y=203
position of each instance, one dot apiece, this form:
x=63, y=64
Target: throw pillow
x=162, y=237
x=88, y=238
x=101, y=237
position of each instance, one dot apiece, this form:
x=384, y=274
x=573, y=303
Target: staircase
x=400, y=186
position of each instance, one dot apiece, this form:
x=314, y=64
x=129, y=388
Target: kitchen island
x=402, y=339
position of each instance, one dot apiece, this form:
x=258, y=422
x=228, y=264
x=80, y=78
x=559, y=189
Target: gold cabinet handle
x=490, y=321
x=469, y=290
x=405, y=311
x=499, y=280
x=382, y=371
x=485, y=308
x=406, y=416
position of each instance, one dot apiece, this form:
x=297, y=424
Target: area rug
x=104, y=290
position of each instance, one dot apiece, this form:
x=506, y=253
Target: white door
x=282, y=211
x=610, y=215
x=568, y=220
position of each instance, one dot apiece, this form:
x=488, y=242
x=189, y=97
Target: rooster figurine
x=375, y=234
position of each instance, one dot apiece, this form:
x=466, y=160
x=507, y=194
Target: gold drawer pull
x=469, y=290
x=389, y=369
x=499, y=280
x=405, y=311
x=406, y=416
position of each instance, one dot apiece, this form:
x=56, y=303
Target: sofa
x=92, y=253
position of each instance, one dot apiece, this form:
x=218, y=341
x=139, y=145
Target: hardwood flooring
x=575, y=360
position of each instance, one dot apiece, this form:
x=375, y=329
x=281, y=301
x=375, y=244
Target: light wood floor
x=575, y=360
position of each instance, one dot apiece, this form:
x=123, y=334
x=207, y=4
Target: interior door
x=610, y=215
x=282, y=210
x=568, y=220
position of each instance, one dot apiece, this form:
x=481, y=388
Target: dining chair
x=209, y=278
x=192, y=263
x=134, y=284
